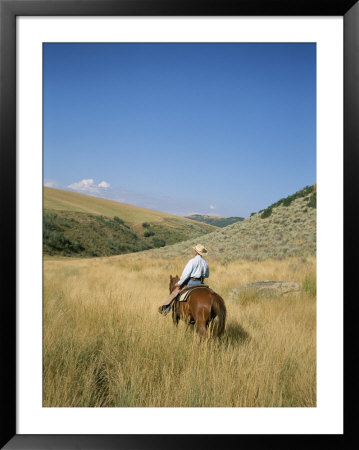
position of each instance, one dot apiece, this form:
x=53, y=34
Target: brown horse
x=201, y=307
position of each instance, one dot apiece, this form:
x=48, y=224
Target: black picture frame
x=9, y=10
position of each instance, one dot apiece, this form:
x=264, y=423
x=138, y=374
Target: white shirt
x=196, y=267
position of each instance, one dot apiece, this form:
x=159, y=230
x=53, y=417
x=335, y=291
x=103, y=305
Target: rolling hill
x=81, y=225
x=61, y=200
x=217, y=221
x=285, y=228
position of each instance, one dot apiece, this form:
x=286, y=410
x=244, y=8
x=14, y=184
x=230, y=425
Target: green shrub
x=145, y=225
x=158, y=242
x=149, y=233
x=309, y=285
x=312, y=201
x=287, y=201
x=266, y=213
x=118, y=220
x=55, y=241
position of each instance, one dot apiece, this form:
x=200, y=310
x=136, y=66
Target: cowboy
x=194, y=273
x=196, y=269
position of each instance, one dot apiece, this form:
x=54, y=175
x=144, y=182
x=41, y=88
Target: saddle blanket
x=184, y=295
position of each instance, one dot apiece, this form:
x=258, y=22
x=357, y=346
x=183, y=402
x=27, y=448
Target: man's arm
x=186, y=273
x=206, y=275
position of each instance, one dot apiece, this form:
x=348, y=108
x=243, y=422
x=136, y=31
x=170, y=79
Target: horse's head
x=173, y=281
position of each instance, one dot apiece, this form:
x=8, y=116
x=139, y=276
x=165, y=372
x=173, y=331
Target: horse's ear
x=171, y=277
x=176, y=276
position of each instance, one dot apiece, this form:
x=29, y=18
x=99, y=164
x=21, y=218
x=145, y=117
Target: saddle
x=184, y=292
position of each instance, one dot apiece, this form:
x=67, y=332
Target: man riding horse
x=194, y=273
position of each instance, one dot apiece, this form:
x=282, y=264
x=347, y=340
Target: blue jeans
x=193, y=282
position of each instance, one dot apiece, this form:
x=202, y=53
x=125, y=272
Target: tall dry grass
x=105, y=344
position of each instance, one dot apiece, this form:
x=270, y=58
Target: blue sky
x=222, y=129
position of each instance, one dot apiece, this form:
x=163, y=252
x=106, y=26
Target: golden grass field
x=106, y=345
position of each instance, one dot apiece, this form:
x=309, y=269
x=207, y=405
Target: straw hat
x=200, y=249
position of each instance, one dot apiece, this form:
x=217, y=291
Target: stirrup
x=162, y=310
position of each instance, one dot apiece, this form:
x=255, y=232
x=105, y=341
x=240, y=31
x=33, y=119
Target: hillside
x=82, y=225
x=217, y=221
x=60, y=200
x=286, y=228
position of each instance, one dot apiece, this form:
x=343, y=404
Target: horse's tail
x=221, y=312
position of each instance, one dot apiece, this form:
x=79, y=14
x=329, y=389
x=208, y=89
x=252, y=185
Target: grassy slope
x=81, y=225
x=60, y=200
x=289, y=230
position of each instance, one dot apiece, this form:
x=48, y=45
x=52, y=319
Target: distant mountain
x=285, y=228
x=82, y=225
x=217, y=221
